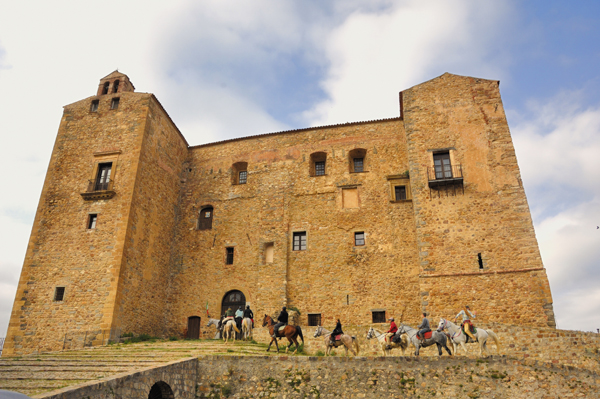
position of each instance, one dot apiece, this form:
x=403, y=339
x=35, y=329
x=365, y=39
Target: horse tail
x=355, y=342
x=300, y=333
x=235, y=328
x=495, y=338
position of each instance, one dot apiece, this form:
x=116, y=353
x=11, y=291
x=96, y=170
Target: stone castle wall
x=147, y=267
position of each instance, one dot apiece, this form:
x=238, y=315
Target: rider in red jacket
x=390, y=333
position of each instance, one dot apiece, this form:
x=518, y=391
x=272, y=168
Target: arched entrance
x=233, y=299
x=193, y=329
x=161, y=390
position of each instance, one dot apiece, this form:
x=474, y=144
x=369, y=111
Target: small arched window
x=205, y=219
x=105, y=88
x=356, y=160
x=239, y=173
x=318, y=164
x=116, y=86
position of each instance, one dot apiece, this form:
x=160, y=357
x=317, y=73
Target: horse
x=290, y=332
x=385, y=347
x=228, y=329
x=438, y=338
x=459, y=337
x=348, y=341
x=217, y=324
x=247, y=328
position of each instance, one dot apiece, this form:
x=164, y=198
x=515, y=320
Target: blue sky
x=228, y=68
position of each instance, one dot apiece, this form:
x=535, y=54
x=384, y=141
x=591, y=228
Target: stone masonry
x=351, y=221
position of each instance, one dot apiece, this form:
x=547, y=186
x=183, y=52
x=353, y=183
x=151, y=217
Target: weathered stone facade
x=171, y=213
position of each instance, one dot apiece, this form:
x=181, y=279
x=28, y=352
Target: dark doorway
x=233, y=300
x=161, y=390
x=193, y=331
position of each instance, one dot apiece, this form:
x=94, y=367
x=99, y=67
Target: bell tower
x=115, y=82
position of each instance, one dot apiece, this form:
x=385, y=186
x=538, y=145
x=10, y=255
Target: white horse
x=437, y=338
x=457, y=336
x=247, y=328
x=228, y=330
x=216, y=323
x=348, y=341
x=385, y=347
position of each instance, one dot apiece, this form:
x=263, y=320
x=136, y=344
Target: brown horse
x=290, y=332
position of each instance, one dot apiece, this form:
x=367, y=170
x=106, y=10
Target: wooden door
x=193, y=330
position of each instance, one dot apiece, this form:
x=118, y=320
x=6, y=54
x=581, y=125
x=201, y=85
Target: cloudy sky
x=227, y=68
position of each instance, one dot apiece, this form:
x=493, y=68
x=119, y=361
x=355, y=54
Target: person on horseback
x=336, y=331
x=423, y=327
x=239, y=313
x=391, y=332
x=282, y=319
x=228, y=315
x=467, y=324
x=249, y=314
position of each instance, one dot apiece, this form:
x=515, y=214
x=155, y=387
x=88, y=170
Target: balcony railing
x=445, y=176
x=97, y=189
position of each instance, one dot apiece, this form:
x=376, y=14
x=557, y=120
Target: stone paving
x=35, y=374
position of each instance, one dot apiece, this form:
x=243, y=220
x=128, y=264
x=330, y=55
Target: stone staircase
x=37, y=374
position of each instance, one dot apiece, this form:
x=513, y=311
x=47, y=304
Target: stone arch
x=105, y=88
x=233, y=299
x=161, y=390
x=116, y=85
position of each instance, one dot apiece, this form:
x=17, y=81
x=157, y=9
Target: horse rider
x=466, y=324
x=391, y=332
x=228, y=315
x=239, y=314
x=282, y=320
x=336, y=331
x=249, y=314
x=423, y=327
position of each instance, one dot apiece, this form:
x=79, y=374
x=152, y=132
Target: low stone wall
x=179, y=377
x=316, y=377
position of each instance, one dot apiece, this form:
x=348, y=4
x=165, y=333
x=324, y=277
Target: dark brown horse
x=290, y=332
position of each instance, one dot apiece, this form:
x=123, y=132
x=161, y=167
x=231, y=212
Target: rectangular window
x=243, y=177
x=94, y=106
x=320, y=168
x=114, y=104
x=358, y=165
x=59, y=293
x=269, y=252
x=103, y=176
x=314, y=319
x=359, y=238
x=441, y=163
x=400, y=192
x=300, y=241
x=379, y=316
x=229, y=256
x=92, y=221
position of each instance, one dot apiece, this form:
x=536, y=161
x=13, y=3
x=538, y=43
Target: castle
x=138, y=230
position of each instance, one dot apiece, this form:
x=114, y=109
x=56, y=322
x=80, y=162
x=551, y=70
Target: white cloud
x=557, y=144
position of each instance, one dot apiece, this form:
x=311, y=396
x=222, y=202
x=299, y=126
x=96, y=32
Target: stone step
x=49, y=376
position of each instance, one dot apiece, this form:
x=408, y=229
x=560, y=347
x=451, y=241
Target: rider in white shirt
x=466, y=321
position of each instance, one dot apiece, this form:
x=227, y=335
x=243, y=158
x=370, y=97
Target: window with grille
x=243, y=177
x=114, y=104
x=320, y=168
x=379, y=316
x=59, y=294
x=299, y=241
x=400, y=192
x=229, y=256
x=358, y=165
x=92, y=219
x=205, y=219
x=314, y=319
x=359, y=238
x=94, y=106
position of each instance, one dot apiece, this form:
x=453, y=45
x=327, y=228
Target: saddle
x=397, y=338
x=427, y=335
x=337, y=337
